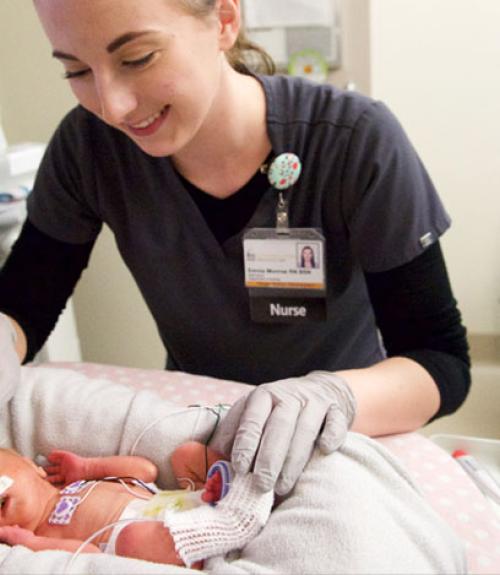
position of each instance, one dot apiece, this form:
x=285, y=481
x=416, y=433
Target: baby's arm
x=66, y=467
x=15, y=535
x=191, y=462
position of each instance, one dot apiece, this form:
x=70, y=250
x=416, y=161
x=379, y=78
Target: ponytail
x=245, y=56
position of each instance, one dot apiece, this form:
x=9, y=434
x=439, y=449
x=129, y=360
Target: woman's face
x=147, y=68
x=307, y=254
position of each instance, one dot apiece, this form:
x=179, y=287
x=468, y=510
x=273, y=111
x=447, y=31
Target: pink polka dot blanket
x=127, y=410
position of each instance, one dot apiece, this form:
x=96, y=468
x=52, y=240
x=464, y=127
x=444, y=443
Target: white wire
x=91, y=487
x=127, y=488
x=189, y=481
x=132, y=451
x=211, y=409
x=98, y=532
x=152, y=424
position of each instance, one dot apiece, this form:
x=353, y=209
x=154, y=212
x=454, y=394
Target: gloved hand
x=277, y=426
x=10, y=366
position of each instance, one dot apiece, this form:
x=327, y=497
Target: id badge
x=285, y=275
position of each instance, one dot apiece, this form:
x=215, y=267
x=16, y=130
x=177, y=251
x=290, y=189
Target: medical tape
x=5, y=483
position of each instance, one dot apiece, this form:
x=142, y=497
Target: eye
x=68, y=75
x=140, y=61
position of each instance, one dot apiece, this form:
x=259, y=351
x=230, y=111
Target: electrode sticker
x=285, y=262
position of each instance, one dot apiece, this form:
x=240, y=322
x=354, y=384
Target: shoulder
x=80, y=132
x=300, y=100
x=302, y=112
x=83, y=147
x=75, y=124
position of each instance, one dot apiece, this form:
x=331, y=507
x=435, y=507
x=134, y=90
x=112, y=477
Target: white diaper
x=200, y=530
x=153, y=509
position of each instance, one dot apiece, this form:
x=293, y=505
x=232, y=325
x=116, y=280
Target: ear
x=228, y=12
x=41, y=472
x=38, y=470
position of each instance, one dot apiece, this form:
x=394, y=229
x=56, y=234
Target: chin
x=165, y=142
x=157, y=150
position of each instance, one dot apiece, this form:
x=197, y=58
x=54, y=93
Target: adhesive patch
x=5, y=483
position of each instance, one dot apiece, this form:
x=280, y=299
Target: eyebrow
x=110, y=48
x=124, y=39
x=63, y=56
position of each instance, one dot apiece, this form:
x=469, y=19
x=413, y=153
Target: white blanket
x=356, y=511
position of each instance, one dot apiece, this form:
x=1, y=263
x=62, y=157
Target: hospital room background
x=434, y=62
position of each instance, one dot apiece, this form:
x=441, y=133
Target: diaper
x=153, y=509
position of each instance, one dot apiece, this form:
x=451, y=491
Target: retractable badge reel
x=284, y=266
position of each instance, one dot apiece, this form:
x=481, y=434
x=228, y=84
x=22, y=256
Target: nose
x=117, y=99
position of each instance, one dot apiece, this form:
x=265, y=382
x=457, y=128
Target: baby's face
x=19, y=503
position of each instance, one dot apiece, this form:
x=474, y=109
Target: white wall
x=435, y=62
x=113, y=322
x=354, y=16
x=33, y=96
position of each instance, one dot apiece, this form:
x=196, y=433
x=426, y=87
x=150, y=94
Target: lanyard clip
x=283, y=172
x=282, y=215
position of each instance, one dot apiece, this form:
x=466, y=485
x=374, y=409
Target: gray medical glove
x=10, y=367
x=277, y=426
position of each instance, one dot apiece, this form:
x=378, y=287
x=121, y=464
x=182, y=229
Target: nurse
x=210, y=177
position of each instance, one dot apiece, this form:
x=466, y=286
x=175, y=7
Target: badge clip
x=282, y=216
x=282, y=174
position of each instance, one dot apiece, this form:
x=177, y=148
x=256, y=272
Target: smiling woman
x=136, y=67
x=169, y=146
x=161, y=48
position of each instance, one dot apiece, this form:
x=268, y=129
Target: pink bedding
x=441, y=479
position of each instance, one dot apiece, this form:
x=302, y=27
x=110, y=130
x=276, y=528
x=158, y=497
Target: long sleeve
x=418, y=318
x=37, y=280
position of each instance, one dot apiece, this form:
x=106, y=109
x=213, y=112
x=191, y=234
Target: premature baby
x=182, y=527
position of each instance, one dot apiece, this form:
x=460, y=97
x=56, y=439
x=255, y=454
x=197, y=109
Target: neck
x=233, y=142
x=48, y=495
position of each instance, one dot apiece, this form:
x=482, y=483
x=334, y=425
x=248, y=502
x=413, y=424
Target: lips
x=149, y=125
x=147, y=122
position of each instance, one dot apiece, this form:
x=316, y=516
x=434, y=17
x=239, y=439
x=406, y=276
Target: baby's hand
x=15, y=535
x=66, y=467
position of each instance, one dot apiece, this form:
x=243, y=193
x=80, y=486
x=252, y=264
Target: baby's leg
x=150, y=541
x=190, y=463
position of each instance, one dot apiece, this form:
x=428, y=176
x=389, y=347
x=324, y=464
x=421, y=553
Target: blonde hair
x=245, y=56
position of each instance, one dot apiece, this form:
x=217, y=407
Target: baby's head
x=23, y=490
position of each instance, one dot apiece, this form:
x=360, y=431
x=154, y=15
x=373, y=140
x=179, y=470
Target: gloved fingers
x=223, y=438
x=258, y=408
x=275, y=444
x=301, y=447
x=334, y=431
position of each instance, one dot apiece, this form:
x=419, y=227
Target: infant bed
x=442, y=481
